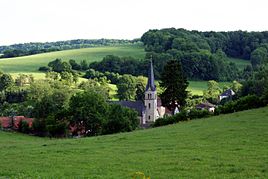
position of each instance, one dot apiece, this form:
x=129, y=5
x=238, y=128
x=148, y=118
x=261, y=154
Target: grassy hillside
x=226, y=146
x=197, y=87
x=33, y=62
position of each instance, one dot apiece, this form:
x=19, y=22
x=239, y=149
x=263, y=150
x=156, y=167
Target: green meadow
x=225, y=146
x=33, y=62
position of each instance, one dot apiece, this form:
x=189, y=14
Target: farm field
x=33, y=62
x=225, y=146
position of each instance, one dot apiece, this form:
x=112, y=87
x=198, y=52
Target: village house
x=206, y=106
x=227, y=94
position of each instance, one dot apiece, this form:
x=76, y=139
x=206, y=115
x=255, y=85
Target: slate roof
x=136, y=105
x=228, y=92
x=150, y=83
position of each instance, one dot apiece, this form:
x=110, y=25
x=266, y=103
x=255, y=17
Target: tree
x=140, y=88
x=6, y=81
x=258, y=57
x=84, y=65
x=74, y=64
x=90, y=110
x=59, y=66
x=23, y=79
x=126, y=87
x=175, y=84
x=212, y=92
x=120, y=119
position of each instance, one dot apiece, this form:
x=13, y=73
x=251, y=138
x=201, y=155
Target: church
x=151, y=109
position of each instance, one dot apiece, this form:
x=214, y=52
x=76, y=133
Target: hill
x=226, y=146
x=33, y=62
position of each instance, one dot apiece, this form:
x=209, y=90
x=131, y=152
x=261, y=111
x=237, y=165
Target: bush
x=39, y=127
x=24, y=127
x=56, y=128
x=244, y=103
x=44, y=69
x=196, y=114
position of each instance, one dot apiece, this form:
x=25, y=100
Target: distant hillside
x=33, y=62
x=225, y=146
x=24, y=49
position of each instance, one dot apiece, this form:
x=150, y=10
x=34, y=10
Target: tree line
x=17, y=50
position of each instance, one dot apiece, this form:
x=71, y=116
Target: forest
x=204, y=55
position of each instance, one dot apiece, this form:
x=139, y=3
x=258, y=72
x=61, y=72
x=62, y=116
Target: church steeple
x=150, y=84
x=150, y=100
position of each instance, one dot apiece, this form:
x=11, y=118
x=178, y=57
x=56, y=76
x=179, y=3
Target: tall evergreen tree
x=174, y=83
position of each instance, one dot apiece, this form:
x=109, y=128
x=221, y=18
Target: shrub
x=244, y=103
x=44, y=69
x=196, y=114
x=39, y=127
x=24, y=127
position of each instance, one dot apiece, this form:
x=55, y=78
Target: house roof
x=228, y=92
x=205, y=105
x=136, y=105
x=150, y=83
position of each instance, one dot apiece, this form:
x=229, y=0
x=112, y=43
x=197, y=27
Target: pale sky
x=53, y=20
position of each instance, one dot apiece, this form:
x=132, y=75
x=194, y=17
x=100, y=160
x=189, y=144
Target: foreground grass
x=31, y=63
x=227, y=146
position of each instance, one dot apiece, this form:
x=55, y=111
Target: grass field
x=33, y=62
x=226, y=146
x=197, y=87
x=240, y=63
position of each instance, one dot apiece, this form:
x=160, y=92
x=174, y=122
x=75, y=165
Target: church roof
x=150, y=83
x=136, y=105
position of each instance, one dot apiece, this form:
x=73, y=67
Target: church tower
x=150, y=97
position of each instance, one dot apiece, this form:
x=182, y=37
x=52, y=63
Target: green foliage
x=259, y=56
x=175, y=84
x=126, y=87
x=89, y=108
x=24, y=79
x=59, y=66
x=56, y=128
x=24, y=127
x=17, y=50
x=140, y=88
x=243, y=103
x=120, y=119
x=97, y=86
x=182, y=116
x=213, y=91
x=6, y=81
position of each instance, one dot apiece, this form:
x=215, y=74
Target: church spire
x=150, y=83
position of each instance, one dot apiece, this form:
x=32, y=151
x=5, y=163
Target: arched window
x=149, y=105
x=148, y=96
x=149, y=117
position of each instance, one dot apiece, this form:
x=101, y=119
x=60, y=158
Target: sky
x=53, y=20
